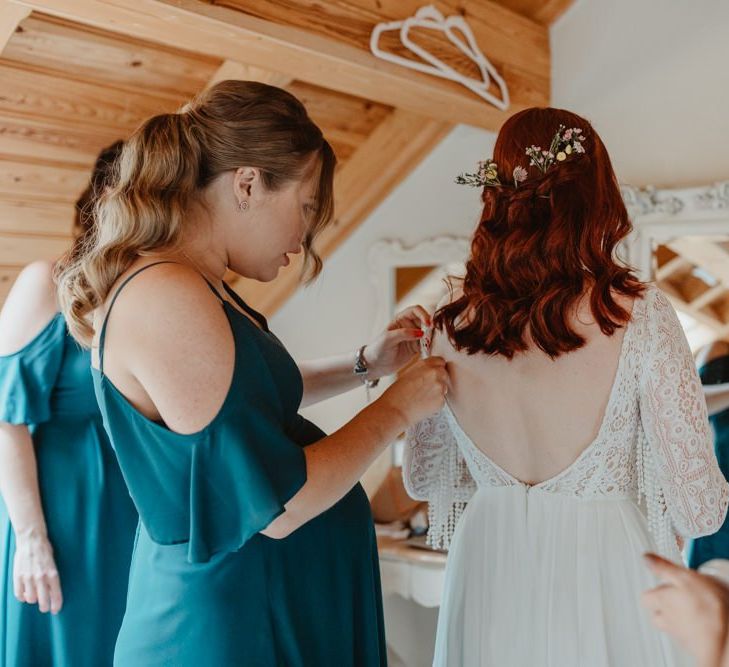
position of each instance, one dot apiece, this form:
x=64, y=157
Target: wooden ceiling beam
x=81, y=52
x=231, y=69
x=391, y=152
x=545, y=12
x=233, y=35
x=11, y=16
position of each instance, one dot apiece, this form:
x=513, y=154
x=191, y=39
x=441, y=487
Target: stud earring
x=243, y=206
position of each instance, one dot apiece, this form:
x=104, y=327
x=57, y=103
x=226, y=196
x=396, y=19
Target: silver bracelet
x=361, y=370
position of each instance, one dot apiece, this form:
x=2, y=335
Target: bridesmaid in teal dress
x=66, y=519
x=714, y=372
x=256, y=544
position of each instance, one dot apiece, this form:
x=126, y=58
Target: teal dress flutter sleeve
x=212, y=490
x=206, y=587
x=28, y=376
x=713, y=546
x=90, y=518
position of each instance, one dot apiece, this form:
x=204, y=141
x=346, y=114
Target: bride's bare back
x=533, y=416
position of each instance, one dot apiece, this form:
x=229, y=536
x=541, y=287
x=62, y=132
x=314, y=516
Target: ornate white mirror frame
x=661, y=215
x=385, y=257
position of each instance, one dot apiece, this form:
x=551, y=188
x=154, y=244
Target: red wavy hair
x=541, y=246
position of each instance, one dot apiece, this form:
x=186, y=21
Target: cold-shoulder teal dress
x=90, y=517
x=206, y=588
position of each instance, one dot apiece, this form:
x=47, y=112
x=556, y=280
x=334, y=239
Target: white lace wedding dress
x=550, y=575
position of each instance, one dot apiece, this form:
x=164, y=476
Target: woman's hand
x=399, y=343
x=420, y=391
x=35, y=576
x=691, y=607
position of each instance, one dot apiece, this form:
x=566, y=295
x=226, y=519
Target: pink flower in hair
x=520, y=175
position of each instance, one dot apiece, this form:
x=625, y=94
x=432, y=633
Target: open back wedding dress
x=550, y=575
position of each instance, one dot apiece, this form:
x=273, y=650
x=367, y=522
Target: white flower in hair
x=520, y=175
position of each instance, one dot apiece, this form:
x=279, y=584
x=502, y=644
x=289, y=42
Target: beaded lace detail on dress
x=654, y=445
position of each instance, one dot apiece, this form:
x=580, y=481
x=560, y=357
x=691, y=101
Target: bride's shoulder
x=653, y=300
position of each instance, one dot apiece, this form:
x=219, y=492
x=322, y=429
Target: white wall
x=653, y=78
x=336, y=313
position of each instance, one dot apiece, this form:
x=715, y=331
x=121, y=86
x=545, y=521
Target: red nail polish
x=419, y=334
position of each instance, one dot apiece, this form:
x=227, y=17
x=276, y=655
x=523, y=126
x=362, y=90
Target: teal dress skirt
x=90, y=517
x=206, y=588
x=704, y=549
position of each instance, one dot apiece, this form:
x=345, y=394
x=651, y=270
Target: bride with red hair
x=575, y=435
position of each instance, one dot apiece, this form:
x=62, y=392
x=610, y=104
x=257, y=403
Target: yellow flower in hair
x=568, y=149
x=561, y=156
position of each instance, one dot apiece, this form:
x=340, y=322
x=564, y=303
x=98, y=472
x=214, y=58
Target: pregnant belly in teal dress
x=312, y=599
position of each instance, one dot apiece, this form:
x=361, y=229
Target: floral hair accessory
x=565, y=142
x=487, y=174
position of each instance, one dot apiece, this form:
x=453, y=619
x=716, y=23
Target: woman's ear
x=245, y=181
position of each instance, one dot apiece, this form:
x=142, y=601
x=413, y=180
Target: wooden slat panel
x=240, y=72
x=35, y=217
x=16, y=250
x=45, y=95
x=328, y=62
x=11, y=16
x=8, y=275
x=346, y=121
x=391, y=152
x=542, y=11
x=54, y=139
x=51, y=43
x=40, y=182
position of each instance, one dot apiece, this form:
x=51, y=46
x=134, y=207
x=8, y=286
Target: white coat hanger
x=430, y=18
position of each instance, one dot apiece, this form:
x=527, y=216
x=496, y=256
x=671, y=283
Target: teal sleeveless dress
x=90, y=517
x=206, y=588
x=706, y=548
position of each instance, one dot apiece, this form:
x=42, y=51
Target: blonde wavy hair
x=164, y=166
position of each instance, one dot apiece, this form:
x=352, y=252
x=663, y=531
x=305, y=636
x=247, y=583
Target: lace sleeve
x=688, y=481
x=434, y=470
